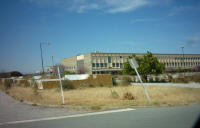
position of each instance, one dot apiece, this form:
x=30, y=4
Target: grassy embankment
x=105, y=97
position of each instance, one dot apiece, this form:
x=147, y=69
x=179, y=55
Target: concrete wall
x=87, y=63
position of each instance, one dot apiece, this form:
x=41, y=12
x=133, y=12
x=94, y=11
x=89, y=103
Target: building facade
x=102, y=63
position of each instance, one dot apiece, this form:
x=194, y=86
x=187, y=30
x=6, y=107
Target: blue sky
x=83, y=26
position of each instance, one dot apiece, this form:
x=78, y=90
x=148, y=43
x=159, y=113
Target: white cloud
x=83, y=8
x=193, y=39
x=107, y=6
x=115, y=6
x=181, y=9
x=144, y=20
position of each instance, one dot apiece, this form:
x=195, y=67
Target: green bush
x=157, y=80
x=180, y=80
x=163, y=81
x=170, y=78
x=151, y=80
x=114, y=81
x=180, y=69
x=91, y=85
x=67, y=84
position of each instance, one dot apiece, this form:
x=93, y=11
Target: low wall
x=92, y=81
x=167, y=77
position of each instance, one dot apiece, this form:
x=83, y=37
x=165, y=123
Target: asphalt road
x=159, y=117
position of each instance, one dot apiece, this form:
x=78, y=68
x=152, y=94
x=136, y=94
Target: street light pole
x=47, y=43
x=182, y=47
x=41, y=58
x=52, y=61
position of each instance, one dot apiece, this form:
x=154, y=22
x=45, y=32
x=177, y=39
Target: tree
x=61, y=67
x=10, y=74
x=148, y=64
x=15, y=74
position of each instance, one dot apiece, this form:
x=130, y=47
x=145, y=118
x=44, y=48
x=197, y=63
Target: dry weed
x=101, y=96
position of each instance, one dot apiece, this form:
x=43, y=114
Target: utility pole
x=46, y=43
x=182, y=47
x=61, y=88
x=41, y=58
x=52, y=61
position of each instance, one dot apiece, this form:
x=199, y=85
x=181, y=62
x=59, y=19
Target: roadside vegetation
x=104, y=92
x=105, y=97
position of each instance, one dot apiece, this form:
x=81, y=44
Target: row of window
x=99, y=64
x=70, y=67
x=187, y=58
x=109, y=59
x=117, y=65
x=176, y=58
x=106, y=65
x=175, y=64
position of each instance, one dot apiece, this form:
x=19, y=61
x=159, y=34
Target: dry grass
x=101, y=97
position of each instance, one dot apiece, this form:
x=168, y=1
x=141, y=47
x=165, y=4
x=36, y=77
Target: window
x=113, y=64
x=105, y=64
x=93, y=64
x=121, y=65
x=97, y=64
x=101, y=64
x=117, y=64
x=109, y=59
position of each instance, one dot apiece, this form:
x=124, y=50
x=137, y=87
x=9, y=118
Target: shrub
x=180, y=80
x=101, y=85
x=114, y=81
x=1, y=82
x=157, y=80
x=170, y=70
x=128, y=96
x=151, y=80
x=35, y=88
x=170, y=78
x=180, y=69
x=96, y=108
x=67, y=84
x=26, y=83
x=114, y=94
x=196, y=68
x=196, y=78
x=126, y=80
x=91, y=85
x=7, y=83
x=163, y=80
